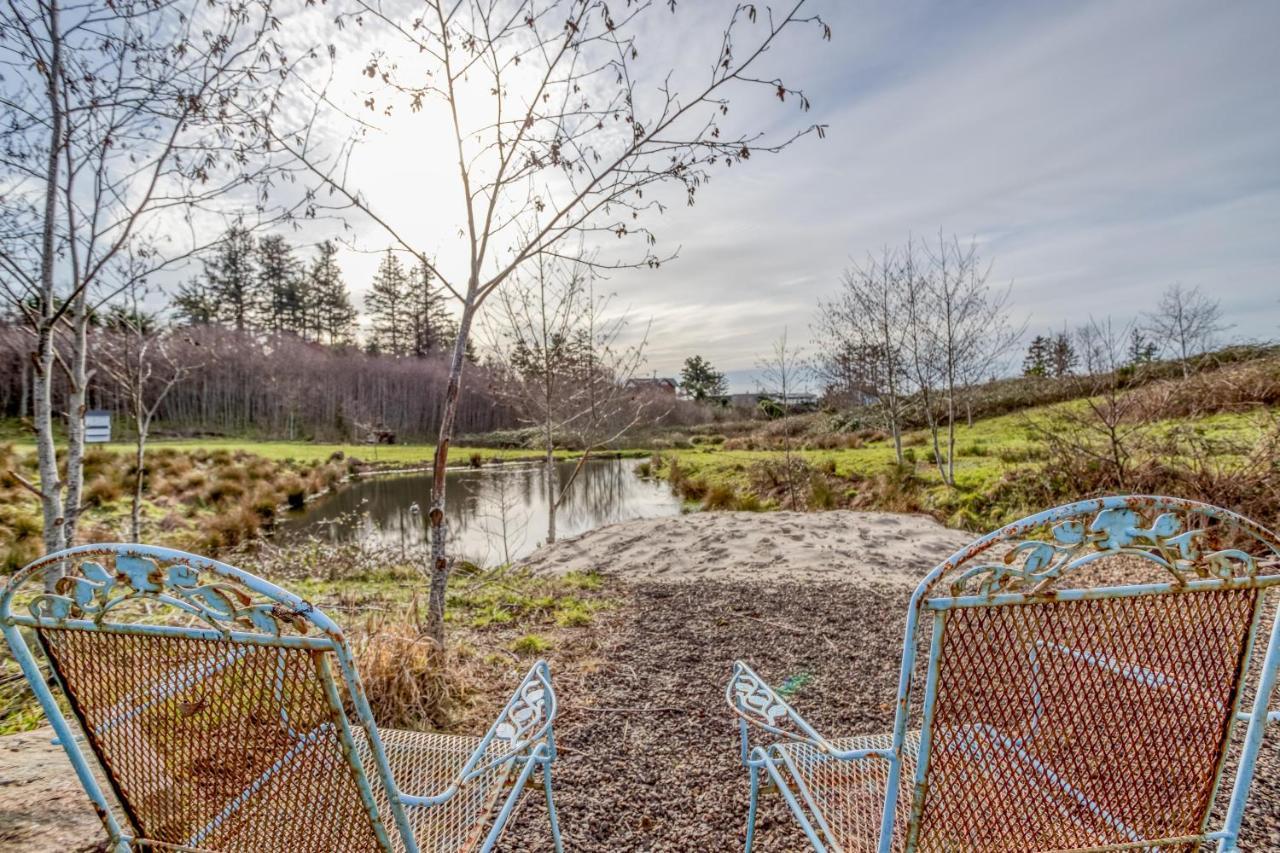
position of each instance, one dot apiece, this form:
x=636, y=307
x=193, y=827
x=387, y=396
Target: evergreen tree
x=1063, y=359
x=195, y=304
x=388, y=304
x=1142, y=350
x=281, y=297
x=700, y=381
x=432, y=327
x=1038, y=355
x=331, y=317
x=230, y=279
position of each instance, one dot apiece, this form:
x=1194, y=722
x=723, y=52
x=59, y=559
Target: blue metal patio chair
x=1085, y=671
x=246, y=727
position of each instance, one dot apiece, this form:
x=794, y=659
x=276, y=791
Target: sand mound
x=820, y=546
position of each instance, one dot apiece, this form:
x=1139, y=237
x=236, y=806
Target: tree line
x=260, y=385
x=1183, y=324
x=260, y=283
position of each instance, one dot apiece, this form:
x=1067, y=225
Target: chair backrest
x=1085, y=669
x=229, y=732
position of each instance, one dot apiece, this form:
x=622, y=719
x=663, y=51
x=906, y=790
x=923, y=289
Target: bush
x=405, y=677
x=295, y=492
x=102, y=489
x=720, y=496
x=821, y=494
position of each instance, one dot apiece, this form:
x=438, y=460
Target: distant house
x=794, y=402
x=661, y=384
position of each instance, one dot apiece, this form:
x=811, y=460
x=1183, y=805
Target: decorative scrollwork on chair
x=101, y=581
x=1165, y=538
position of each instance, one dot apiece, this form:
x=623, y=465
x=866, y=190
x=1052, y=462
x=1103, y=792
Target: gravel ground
x=668, y=777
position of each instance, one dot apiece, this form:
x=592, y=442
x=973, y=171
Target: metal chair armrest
x=524, y=724
x=757, y=704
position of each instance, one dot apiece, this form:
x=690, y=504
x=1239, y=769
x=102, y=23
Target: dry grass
x=199, y=499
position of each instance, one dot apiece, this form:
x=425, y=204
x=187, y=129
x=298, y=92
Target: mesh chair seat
x=425, y=763
x=848, y=796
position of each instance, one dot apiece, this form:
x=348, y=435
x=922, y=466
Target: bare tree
x=971, y=327
x=918, y=323
x=564, y=366
x=121, y=119
x=554, y=138
x=138, y=359
x=1187, y=321
x=861, y=331
x=925, y=342
x=783, y=372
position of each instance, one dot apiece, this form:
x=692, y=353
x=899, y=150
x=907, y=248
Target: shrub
x=295, y=492
x=102, y=489
x=264, y=506
x=693, y=488
x=224, y=491
x=821, y=495
x=720, y=496
x=405, y=676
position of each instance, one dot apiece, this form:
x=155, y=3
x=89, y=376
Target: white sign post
x=97, y=426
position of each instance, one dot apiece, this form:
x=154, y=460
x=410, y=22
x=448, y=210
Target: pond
x=496, y=513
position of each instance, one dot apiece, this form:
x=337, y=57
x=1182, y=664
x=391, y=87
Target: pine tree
x=281, y=298
x=230, y=277
x=1142, y=350
x=331, y=316
x=388, y=303
x=1062, y=356
x=431, y=325
x=1037, y=361
x=700, y=381
x=195, y=304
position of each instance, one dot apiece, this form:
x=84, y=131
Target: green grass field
x=986, y=454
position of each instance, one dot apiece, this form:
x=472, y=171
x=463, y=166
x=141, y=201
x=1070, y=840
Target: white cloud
x=1098, y=151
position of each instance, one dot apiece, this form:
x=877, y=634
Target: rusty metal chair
x=246, y=727
x=1085, y=671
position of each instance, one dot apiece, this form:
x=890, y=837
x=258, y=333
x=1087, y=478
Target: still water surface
x=496, y=513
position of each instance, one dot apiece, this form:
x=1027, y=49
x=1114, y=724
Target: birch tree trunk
x=76, y=406
x=43, y=358
x=440, y=563
x=553, y=496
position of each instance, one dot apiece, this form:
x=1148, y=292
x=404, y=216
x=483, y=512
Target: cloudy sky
x=1097, y=152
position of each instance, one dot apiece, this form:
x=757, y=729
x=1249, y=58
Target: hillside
x=1212, y=436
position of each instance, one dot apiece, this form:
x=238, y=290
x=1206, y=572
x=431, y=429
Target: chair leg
x=751, y=808
x=551, y=807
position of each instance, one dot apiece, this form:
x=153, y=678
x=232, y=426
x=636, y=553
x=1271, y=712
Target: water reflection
x=496, y=513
